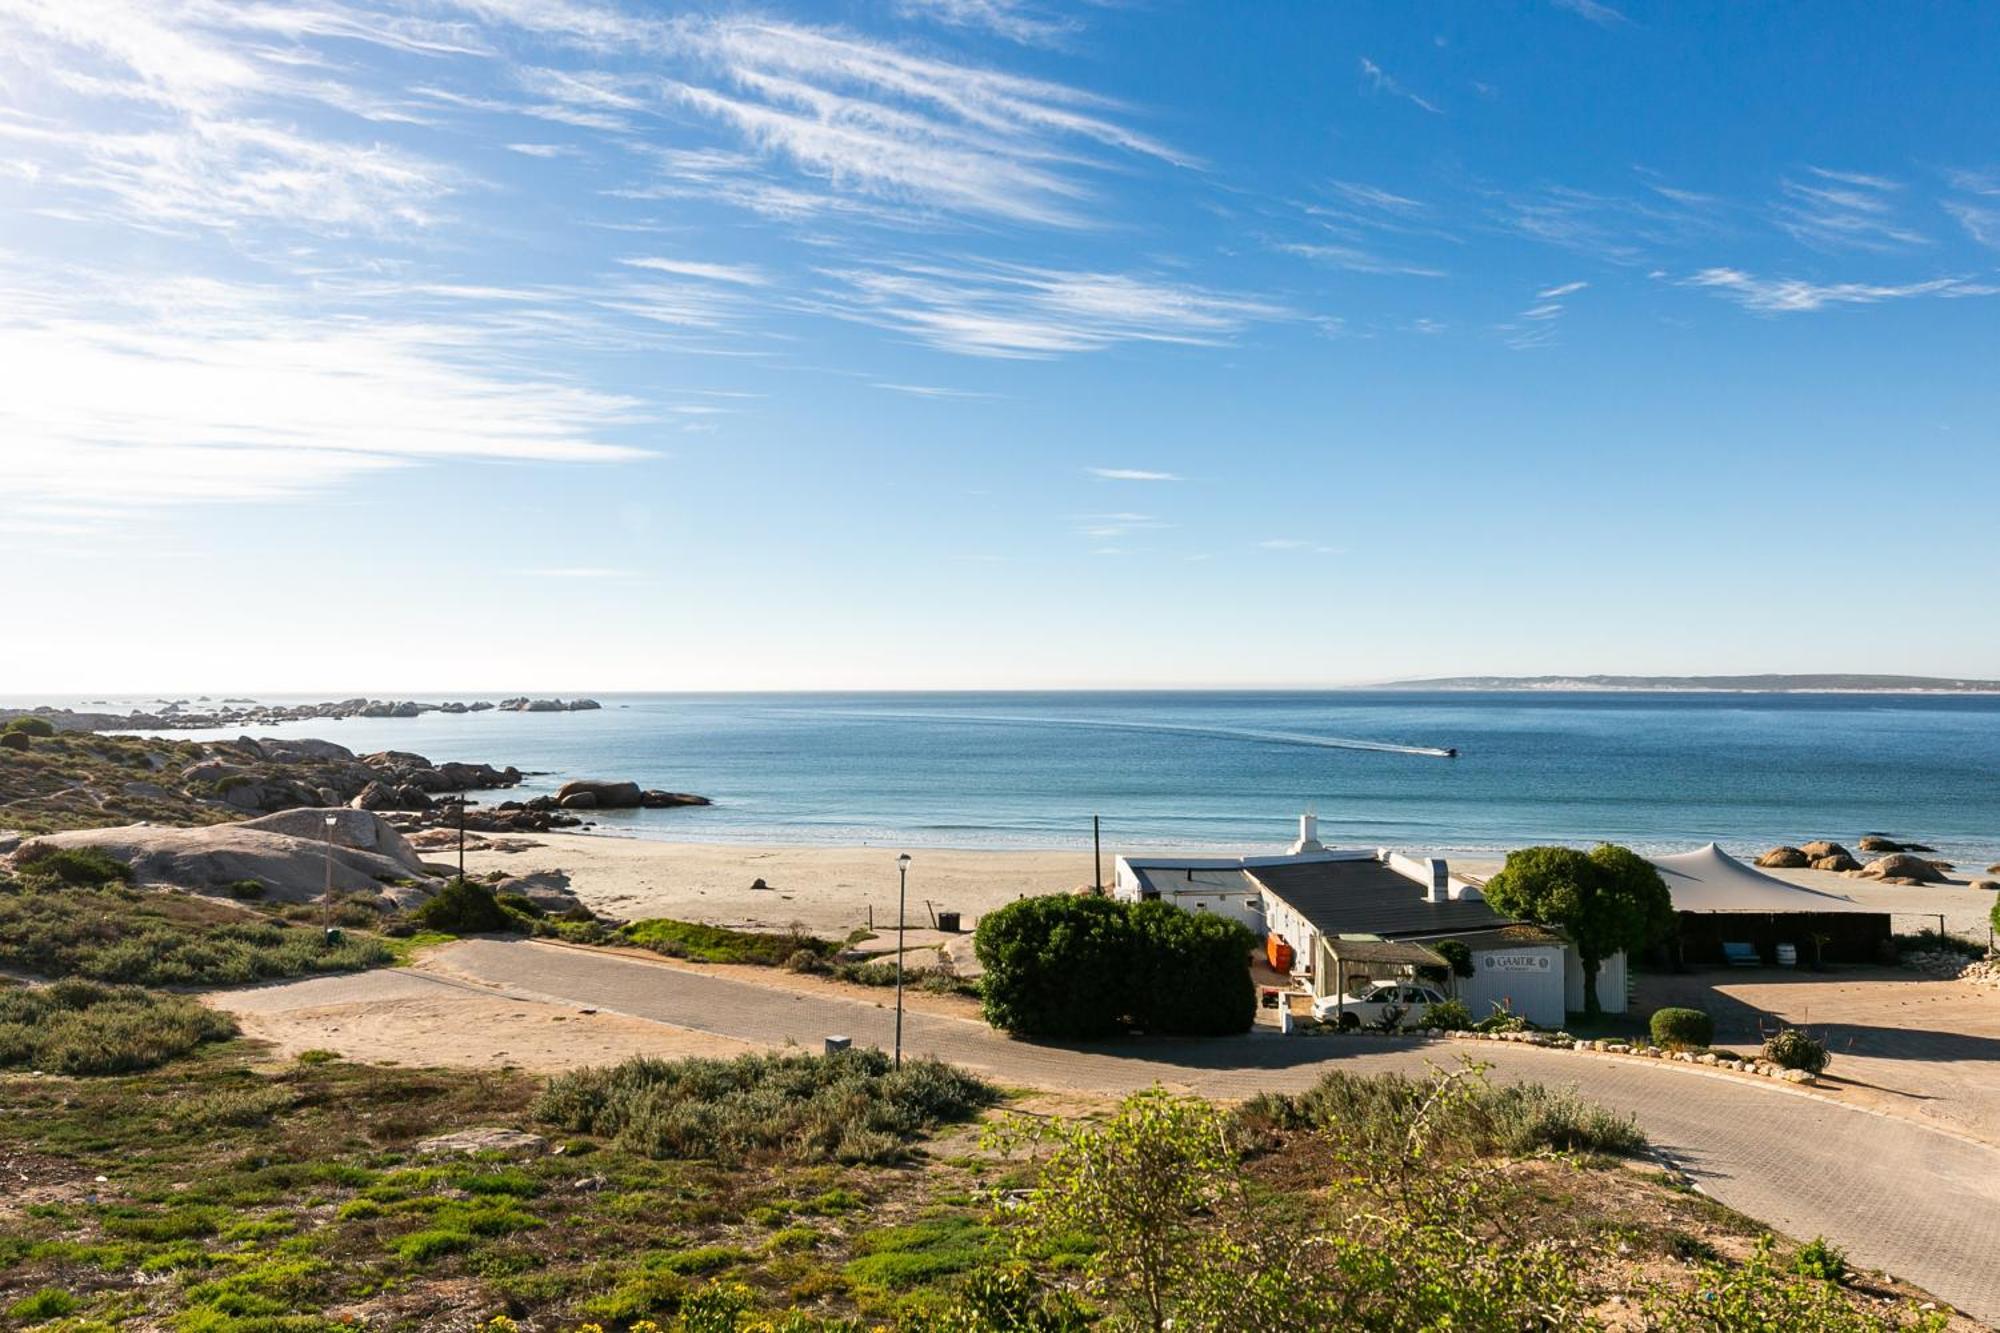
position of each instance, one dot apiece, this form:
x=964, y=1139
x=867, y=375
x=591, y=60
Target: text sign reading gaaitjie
x=1515, y=962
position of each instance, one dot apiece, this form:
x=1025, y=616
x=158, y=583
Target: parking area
x=1901, y=1042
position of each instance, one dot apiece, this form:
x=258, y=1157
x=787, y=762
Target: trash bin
x=835, y=1045
x=1788, y=955
x=948, y=922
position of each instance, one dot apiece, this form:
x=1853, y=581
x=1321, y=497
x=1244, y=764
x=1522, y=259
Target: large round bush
x=1674, y=1027
x=1064, y=966
x=1056, y=966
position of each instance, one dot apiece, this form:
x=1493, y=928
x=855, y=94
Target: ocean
x=1232, y=770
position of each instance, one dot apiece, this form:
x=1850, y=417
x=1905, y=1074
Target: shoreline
x=842, y=887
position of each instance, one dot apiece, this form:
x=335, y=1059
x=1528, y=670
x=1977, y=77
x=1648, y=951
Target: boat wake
x=1245, y=734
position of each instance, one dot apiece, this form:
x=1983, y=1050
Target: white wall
x=1529, y=977
x=1611, y=983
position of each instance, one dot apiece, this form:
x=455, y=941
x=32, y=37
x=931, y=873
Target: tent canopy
x=1711, y=880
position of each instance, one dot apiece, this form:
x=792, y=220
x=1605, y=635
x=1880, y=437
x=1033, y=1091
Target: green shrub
x=48, y=1303
x=1794, y=1049
x=1452, y=1016
x=1458, y=953
x=1822, y=1259
x=247, y=890
x=29, y=726
x=80, y=1027
x=1503, y=1019
x=849, y=1107
x=159, y=938
x=1067, y=966
x=1678, y=1029
x=1373, y=1114
x=717, y=944
x=463, y=907
x=14, y=740
x=42, y=867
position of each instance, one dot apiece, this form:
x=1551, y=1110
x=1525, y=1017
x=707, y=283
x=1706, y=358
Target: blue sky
x=364, y=345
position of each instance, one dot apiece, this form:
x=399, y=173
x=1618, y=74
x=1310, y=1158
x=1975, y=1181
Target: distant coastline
x=1759, y=684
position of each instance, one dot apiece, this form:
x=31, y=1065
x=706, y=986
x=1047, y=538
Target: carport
x=1372, y=959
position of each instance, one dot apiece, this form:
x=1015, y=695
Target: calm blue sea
x=1232, y=770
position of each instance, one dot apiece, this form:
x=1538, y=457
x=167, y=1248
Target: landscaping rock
x=487, y=1139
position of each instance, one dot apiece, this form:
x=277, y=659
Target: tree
x=1056, y=966
x=1609, y=900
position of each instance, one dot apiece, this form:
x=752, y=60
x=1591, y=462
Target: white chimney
x=1308, y=835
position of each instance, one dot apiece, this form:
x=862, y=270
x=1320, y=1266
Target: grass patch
x=717, y=944
x=80, y=1027
x=161, y=938
x=922, y=1252
x=850, y=1107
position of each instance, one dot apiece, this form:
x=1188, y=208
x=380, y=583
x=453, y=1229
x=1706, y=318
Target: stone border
x=1562, y=1041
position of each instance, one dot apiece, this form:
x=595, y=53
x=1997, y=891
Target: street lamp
x=902, y=892
x=326, y=898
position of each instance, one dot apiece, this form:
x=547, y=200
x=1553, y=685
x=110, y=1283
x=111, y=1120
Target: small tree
x=1056, y=966
x=1609, y=900
x=1142, y=1185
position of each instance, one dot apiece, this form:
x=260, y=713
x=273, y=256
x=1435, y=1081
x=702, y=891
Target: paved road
x=1917, y=1203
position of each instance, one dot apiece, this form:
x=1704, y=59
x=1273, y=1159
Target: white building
x=1311, y=898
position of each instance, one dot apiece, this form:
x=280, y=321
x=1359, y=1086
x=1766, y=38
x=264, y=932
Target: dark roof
x=1368, y=898
x=1402, y=952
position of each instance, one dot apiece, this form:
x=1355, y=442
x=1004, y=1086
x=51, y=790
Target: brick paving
x=1898, y=1196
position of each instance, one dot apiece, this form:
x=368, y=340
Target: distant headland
x=1824, y=683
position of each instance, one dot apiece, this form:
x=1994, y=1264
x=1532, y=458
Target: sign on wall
x=1516, y=962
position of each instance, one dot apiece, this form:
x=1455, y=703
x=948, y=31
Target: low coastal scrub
x=1375, y=1112
x=851, y=1107
x=79, y=1027
x=1066, y=966
x=160, y=938
x=465, y=907
x=225, y=1195
x=718, y=944
x=1793, y=1048
x=1678, y=1029
x=928, y=977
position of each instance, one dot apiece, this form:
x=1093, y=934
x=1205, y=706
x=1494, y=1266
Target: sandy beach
x=835, y=889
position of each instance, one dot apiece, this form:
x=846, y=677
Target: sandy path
x=401, y=1016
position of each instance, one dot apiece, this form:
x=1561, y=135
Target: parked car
x=1373, y=1005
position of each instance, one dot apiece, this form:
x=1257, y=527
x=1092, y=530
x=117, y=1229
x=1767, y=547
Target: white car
x=1373, y=1006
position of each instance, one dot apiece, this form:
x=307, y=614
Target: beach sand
x=834, y=889
x=828, y=890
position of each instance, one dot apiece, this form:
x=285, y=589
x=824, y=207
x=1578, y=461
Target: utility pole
x=461, y=837
x=326, y=897
x=1097, y=856
x=902, y=891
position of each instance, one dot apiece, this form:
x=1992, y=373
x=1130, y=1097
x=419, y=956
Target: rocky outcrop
x=1902, y=868
x=1839, y=861
x=1785, y=858
x=1816, y=851
x=365, y=860
x=188, y=715
x=589, y=794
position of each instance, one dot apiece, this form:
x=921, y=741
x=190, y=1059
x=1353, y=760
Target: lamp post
x=902, y=892
x=326, y=898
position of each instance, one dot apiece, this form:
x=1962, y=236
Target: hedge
x=1066, y=966
x=1683, y=1028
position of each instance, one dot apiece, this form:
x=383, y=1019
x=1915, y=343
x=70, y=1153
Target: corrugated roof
x=1394, y=952
x=1368, y=898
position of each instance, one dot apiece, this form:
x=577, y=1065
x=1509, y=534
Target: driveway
x=1910, y=1200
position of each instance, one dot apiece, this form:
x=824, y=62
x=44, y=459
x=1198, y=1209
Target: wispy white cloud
x=1977, y=207
x=1355, y=259
x=230, y=394
x=1028, y=24
x=1017, y=310
x=1791, y=295
x=1379, y=80
x=1603, y=15
x=1844, y=210
x=1296, y=544
x=1561, y=290
x=743, y=275
x=1132, y=474
x=930, y=390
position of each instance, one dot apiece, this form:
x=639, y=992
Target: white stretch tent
x=1709, y=879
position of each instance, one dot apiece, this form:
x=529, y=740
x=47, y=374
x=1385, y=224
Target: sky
x=378, y=345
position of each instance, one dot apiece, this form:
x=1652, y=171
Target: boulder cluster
x=260, y=776
x=1900, y=865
